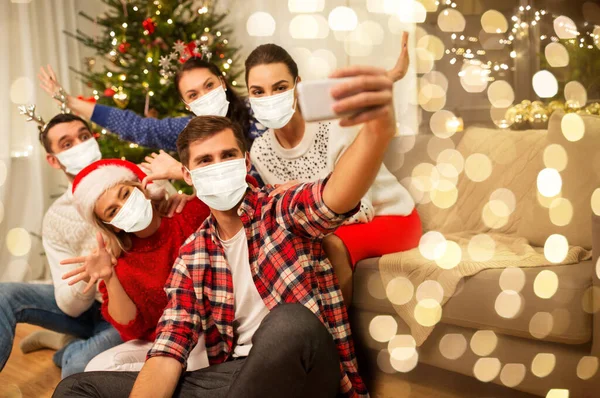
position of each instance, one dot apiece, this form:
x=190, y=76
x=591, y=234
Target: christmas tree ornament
x=555, y=106
x=526, y=103
x=538, y=117
x=149, y=25
x=572, y=106
x=121, y=98
x=109, y=92
x=593, y=108
x=90, y=62
x=124, y=47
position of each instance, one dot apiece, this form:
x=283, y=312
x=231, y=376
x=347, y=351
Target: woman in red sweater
x=136, y=250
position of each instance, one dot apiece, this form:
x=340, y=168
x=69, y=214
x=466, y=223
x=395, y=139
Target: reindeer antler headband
x=29, y=111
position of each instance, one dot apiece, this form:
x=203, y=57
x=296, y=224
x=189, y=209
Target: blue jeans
x=35, y=304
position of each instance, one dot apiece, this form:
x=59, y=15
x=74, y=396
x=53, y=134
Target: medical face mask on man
x=274, y=111
x=136, y=213
x=221, y=186
x=213, y=103
x=80, y=156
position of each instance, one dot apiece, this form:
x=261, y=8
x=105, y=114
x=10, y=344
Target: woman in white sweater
x=293, y=149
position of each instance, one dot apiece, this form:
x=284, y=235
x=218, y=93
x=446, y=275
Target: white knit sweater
x=64, y=235
x=315, y=157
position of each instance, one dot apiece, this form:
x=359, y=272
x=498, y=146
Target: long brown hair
x=238, y=111
x=270, y=54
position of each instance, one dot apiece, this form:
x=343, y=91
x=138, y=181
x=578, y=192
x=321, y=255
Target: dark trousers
x=293, y=355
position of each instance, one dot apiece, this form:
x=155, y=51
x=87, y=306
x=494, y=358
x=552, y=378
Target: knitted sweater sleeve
x=155, y=133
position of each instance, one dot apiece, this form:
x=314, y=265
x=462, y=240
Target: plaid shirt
x=287, y=263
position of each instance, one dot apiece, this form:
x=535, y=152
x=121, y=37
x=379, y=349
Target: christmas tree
x=139, y=38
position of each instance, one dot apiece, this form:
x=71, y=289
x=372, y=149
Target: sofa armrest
x=596, y=282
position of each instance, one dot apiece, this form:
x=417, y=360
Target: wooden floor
x=35, y=376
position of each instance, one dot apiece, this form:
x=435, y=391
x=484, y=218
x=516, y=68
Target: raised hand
x=163, y=166
x=367, y=97
x=399, y=70
x=49, y=82
x=97, y=265
x=175, y=204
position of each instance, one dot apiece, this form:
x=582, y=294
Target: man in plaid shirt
x=275, y=292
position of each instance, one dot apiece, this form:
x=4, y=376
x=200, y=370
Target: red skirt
x=383, y=235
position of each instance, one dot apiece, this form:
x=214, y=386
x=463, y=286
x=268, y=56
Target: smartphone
x=316, y=101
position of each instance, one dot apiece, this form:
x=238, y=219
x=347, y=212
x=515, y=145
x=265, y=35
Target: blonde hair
x=117, y=243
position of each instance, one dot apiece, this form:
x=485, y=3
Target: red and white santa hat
x=91, y=182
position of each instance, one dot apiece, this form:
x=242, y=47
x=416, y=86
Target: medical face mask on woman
x=274, y=111
x=80, y=156
x=136, y=213
x=221, y=186
x=213, y=103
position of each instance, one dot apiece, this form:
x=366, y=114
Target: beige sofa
x=570, y=351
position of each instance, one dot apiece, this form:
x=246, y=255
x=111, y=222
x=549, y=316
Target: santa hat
x=91, y=182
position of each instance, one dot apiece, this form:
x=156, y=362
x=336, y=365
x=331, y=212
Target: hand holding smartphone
x=316, y=102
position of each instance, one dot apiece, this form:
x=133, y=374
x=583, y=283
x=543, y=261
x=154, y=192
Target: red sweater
x=143, y=270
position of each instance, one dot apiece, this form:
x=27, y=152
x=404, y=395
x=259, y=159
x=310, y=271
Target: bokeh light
x=545, y=284
x=549, y=182
x=493, y=21
x=424, y=60
x=402, y=347
x=428, y=312
x=487, y=369
x=512, y=278
x=565, y=28
x=484, y=342
x=590, y=302
x=1, y=212
x=18, y=241
x=451, y=257
x=595, y=201
x=572, y=127
x=541, y=325
x=481, y=247
x=382, y=328
x=384, y=363
x=478, y=167
x=375, y=287
x=509, y=304
x=545, y=84
x=452, y=346
x=587, y=367
x=556, y=55
x=543, y=364
x=499, y=117
x=451, y=157
x=501, y=94
x=473, y=78
x=342, y=19
x=555, y=157
x=561, y=212
x=505, y=196
x=576, y=93
x=427, y=175
x=558, y=393
x=261, y=24
x=399, y=290
x=405, y=366
x=304, y=27
x=556, y=249
x=432, y=245
x=513, y=374
x=430, y=289
x=451, y=20
x=441, y=124
x=433, y=44
x=444, y=196
x=22, y=91
x=3, y=173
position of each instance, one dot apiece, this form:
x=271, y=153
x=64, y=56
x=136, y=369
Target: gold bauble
x=555, y=106
x=572, y=106
x=593, y=108
x=535, y=104
x=517, y=117
x=538, y=118
x=121, y=98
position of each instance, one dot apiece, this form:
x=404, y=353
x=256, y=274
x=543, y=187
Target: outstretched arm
x=156, y=133
x=356, y=170
x=399, y=70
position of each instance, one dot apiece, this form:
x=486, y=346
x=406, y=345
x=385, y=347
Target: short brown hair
x=202, y=127
x=270, y=54
x=56, y=120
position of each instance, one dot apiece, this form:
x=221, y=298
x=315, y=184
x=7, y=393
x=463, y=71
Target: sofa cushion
x=579, y=179
x=476, y=302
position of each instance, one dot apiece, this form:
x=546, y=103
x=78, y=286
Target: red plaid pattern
x=288, y=265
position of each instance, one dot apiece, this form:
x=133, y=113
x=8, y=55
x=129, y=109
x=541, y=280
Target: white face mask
x=77, y=158
x=213, y=103
x=274, y=111
x=136, y=213
x=221, y=186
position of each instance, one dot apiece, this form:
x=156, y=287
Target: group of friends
x=242, y=289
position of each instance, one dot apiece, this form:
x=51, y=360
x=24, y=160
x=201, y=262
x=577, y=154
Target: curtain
x=32, y=36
